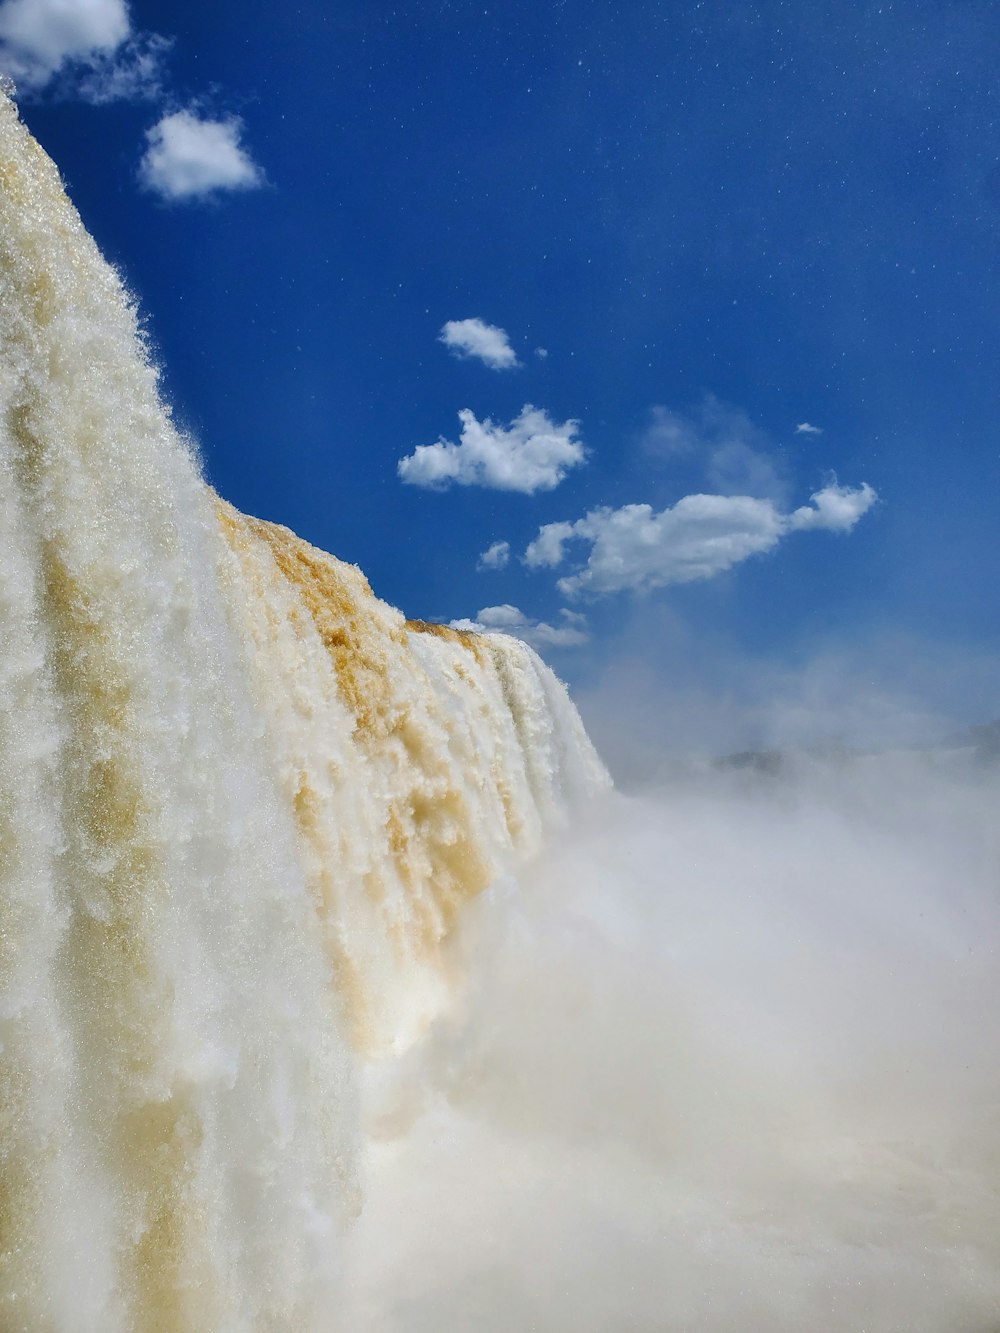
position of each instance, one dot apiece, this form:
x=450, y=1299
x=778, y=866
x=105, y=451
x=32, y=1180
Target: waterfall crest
x=241, y=803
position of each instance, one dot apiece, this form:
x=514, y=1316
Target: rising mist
x=725, y=1060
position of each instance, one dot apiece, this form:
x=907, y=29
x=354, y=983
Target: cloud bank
x=189, y=157
x=533, y=453
x=475, y=339
x=635, y=548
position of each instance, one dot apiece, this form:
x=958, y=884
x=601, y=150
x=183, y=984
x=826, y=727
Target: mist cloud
x=719, y=1065
x=735, y=456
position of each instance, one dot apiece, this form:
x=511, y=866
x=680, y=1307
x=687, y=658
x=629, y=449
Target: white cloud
x=546, y=551
x=189, y=157
x=476, y=339
x=496, y=556
x=542, y=353
x=38, y=38
x=507, y=619
x=836, y=508
x=634, y=548
x=806, y=428
x=532, y=454
x=502, y=617
x=701, y=536
x=86, y=47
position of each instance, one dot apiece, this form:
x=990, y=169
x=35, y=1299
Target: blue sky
x=678, y=231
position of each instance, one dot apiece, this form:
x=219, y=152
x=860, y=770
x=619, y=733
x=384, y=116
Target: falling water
x=241, y=804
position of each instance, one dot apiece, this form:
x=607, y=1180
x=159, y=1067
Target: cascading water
x=241, y=802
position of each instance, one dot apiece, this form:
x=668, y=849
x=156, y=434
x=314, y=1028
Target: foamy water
x=241, y=803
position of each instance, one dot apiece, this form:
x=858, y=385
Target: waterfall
x=242, y=802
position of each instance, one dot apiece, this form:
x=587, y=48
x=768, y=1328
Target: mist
x=724, y=1058
x=667, y=686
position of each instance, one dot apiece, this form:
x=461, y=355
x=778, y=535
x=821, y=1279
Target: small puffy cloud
x=189, y=157
x=503, y=617
x=507, y=619
x=532, y=454
x=806, y=428
x=737, y=457
x=496, y=556
x=542, y=353
x=835, y=508
x=473, y=338
x=635, y=548
x=546, y=551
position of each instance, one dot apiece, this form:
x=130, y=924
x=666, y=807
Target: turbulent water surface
x=242, y=802
x=287, y=1046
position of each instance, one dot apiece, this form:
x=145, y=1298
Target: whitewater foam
x=240, y=803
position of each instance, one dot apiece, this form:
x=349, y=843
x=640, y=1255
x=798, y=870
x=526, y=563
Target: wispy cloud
x=475, y=339
x=507, y=619
x=737, y=457
x=133, y=73
x=634, y=548
x=189, y=157
x=533, y=453
x=88, y=47
x=807, y=428
x=496, y=556
x=835, y=508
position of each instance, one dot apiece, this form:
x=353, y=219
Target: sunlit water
x=339, y=993
x=241, y=805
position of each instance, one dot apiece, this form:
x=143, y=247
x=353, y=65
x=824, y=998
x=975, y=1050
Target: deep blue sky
x=794, y=208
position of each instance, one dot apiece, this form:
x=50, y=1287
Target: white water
x=241, y=804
